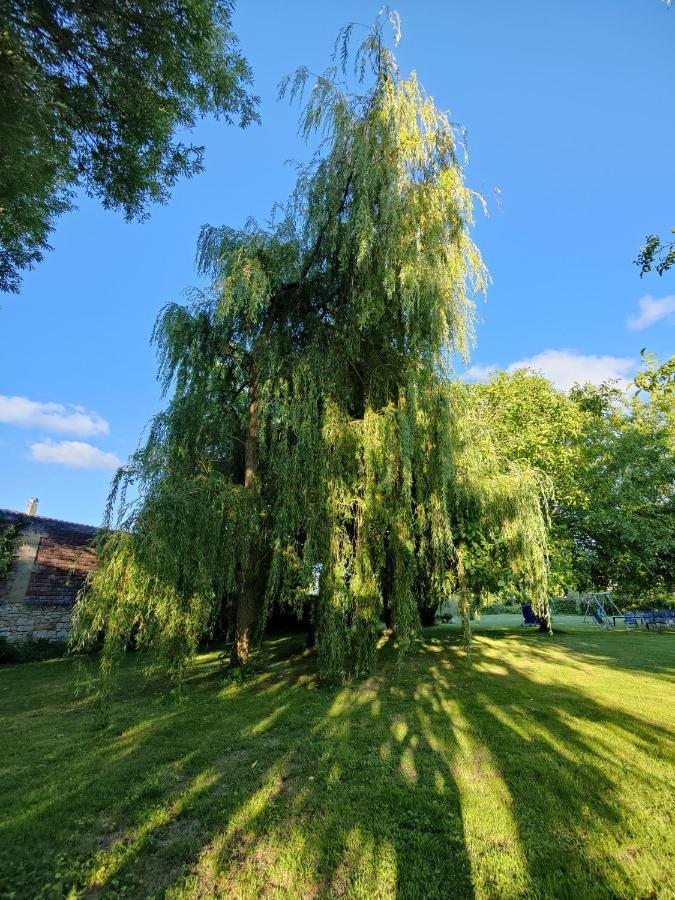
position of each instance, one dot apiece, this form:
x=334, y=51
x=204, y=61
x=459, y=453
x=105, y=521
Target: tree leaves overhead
x=97, y=95
x=656, y=255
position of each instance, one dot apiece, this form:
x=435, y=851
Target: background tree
x=657, y=379
x=311, y=424
x=500, y=513
x=538, y=426
x=609, y=456
x=94, y=94
x=626, y=533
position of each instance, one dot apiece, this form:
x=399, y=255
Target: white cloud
x=652, y=309
x=566, y=367
x=51, y=417
x=479, y=373
x=78, y=454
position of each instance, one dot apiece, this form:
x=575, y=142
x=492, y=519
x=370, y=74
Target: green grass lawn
x=544, y=769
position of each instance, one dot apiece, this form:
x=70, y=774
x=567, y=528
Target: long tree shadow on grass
x=433, y=780
x=586, y=782
x=206, y=783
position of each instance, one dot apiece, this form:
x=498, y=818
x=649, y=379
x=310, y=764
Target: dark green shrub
x=31, y=651
x=498, y=609
x=10, y=538
x=9, y=653
x=565, y=606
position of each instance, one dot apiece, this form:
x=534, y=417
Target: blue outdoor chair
x=529, y=617
x=660, y=619
x=649, y=619
x=631, y=620
x=600, y=619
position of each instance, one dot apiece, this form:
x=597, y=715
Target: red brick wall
x=65, y=556
x=64, y=559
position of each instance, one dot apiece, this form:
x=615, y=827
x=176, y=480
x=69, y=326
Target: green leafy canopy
x=608, y=453
x=96, y=95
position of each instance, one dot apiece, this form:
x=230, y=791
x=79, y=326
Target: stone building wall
x=48, y=570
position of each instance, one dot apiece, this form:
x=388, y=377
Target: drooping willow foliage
x=311, y=426
x=500, y=514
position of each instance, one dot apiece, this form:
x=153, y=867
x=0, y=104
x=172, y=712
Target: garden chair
x=529, y=617
x=660, y=619
x=631, y=620
x=600, y=619
x=649, y=619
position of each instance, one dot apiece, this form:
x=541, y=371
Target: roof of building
x=64, y=555
x=14, y=517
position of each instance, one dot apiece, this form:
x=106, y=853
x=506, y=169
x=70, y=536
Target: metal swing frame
x=602, y=602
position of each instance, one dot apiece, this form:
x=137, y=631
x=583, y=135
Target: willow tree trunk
x=464, y=600
x=545, y=623
x=247, y=601
x=464, y=609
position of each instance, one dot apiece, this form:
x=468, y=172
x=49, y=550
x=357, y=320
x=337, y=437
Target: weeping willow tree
x=310, y=426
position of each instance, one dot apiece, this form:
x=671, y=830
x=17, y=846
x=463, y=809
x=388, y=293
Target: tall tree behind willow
x=500, y=513
x=310, y=427
x=93, y=94
x=609, y=456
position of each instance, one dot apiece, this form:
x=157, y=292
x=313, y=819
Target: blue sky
x=568, y=108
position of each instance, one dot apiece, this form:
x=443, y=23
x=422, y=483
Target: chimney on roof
x=31, y=509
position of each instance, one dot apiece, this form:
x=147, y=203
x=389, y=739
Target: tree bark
x=311, y=614
x=247, y=607
x=545, y=623
x=464, y=609
x=247, y=601
x=464, y=601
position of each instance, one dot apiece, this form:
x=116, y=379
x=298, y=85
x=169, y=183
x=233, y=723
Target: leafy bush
x=565, y=606
x=646, y=604
x=10, y=539
x=9, y=653
x=31, y=651
x=498, y=609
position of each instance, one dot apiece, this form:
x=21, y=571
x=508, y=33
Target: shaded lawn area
x=544, y=769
